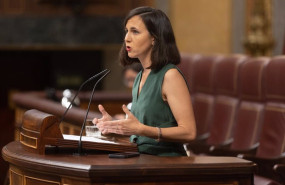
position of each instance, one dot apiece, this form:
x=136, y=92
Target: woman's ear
x=153, y=41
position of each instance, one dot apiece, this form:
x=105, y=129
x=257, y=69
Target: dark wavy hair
x=158, y=25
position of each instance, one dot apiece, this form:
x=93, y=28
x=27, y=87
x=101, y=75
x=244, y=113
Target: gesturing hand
x=105, y=116
x=128, y=126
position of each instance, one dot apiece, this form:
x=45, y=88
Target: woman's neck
x=146, y=62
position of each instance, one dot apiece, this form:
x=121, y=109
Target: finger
x=102, y=110
x=99, y=125
x=104, y=131
x=106, y=127
x=95, y=121
x=102, y=128
x=126, y=110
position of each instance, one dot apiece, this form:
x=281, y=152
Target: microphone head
x=67, y=98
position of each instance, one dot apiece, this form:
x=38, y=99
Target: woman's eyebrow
x=133, y=28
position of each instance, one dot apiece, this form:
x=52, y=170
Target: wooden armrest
x=198, y=145
x=265, y=165
x=227, y=151
x=257, y=160
x=280, y=170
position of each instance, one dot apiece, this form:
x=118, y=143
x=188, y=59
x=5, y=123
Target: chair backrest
x=272, y=139
x=226, y=100
x=187, y=68
x=203, y=98
x=250, y=111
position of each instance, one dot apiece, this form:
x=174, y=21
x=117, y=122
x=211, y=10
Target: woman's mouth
x=128, y=48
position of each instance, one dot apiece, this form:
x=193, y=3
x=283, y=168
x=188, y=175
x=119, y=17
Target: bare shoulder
x=173, y=75
x=174, y=85
x=173, y=79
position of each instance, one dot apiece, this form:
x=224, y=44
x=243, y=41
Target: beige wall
x=202, y=26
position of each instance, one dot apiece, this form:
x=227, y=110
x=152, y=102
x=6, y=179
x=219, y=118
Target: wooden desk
x=65, y=168
x=112, y=101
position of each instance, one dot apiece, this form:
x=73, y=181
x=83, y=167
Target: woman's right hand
x=105, y=116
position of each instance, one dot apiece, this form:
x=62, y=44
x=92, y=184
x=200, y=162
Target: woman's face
x=138, y=40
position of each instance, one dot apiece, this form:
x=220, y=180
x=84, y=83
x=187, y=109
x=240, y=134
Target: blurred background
x=58, y=44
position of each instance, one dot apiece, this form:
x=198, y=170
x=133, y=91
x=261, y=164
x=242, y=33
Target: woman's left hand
x=128, y=126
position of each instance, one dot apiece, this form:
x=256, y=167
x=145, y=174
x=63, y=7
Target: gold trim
x=24, y=143
x=270, y=107
x=249, y=106
x=43, y=180
x=232, y=121
x=258, y=117
x=222, y=99
x=283, y=145
x=259, y=83
x=29, y=130
x=239, y=61
x=204, y=99
x=11, y=179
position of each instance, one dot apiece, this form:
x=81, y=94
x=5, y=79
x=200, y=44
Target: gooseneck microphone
x=82, y=85
x=84, y=122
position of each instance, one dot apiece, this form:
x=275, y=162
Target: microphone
x=83, y=84
x=84, y=122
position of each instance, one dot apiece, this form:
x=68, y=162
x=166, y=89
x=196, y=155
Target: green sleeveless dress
x=150, y=109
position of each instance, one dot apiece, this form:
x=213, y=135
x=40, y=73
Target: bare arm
x=176, y=93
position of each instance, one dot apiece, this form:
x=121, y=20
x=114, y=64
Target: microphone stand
x=91, y=78
x=81, y=86
x=84, y=122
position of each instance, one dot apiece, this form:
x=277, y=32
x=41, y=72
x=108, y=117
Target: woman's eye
x=135, y=31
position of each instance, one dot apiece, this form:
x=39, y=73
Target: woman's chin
x=131, y=55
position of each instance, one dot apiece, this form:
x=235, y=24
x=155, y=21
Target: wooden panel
x=38, y=181
x=21, y=176
x=63, y=7
x=72, y=182
x=97, y=168
x=6, y=136
x=15, y=178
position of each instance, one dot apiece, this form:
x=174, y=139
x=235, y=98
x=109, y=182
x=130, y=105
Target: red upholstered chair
x=203, y=83
x=187, y=68
x=203, y=96
x=272, y=140
x=225, y=101
x=249, y=117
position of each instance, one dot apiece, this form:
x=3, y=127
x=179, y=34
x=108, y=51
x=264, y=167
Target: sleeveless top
x=150, y=109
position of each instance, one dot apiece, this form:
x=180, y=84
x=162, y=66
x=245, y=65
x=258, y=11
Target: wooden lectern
x=40, y=130
x=27, y=165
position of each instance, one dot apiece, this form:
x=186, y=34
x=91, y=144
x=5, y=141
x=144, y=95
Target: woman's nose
x=127, y=37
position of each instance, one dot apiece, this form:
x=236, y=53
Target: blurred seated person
x=129, y=75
